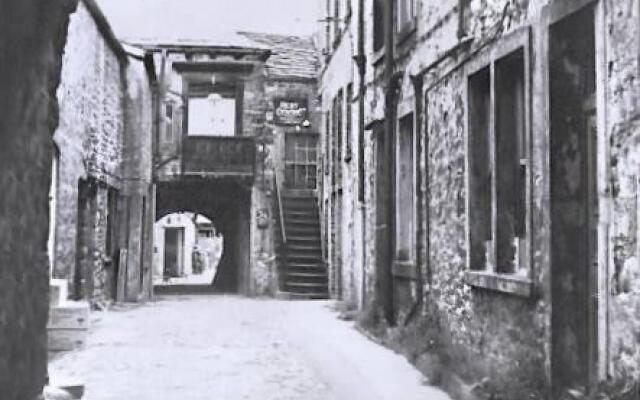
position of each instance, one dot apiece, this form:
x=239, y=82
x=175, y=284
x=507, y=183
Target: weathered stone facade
x=104, y=169
x=508, y=327
x=241, y=195
x=32, y=37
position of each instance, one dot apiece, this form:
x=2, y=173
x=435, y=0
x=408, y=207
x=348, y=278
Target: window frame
x=493, y=279
x=407, y=260
x=337, y=19
x=377, y=28
x=348, y=133
x=404, y=29
x=193, y=89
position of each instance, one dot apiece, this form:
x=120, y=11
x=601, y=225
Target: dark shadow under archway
x=225, y=202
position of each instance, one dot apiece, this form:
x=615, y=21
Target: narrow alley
x=320, y=199
x=228, y=347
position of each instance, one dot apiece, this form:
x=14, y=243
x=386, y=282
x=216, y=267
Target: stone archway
x=225, y=202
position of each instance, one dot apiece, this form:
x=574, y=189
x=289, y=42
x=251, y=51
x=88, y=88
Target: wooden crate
x=68, y=326
x=69, y=316
x=66, y=339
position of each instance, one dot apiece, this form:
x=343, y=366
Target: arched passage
x=227, y=205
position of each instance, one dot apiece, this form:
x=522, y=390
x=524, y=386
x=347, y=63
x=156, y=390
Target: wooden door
x=574, y=202
x=172, y=252
x=384, y=171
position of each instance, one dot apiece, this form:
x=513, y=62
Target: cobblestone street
x=225, y=347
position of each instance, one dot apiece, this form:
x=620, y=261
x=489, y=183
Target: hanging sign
x=290, y=111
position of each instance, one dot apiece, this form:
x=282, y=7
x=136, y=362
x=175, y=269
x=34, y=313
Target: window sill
x=504, y=283
x=404, y=269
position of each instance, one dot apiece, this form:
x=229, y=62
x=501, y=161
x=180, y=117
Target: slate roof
x=218, y=39
x=292, y=56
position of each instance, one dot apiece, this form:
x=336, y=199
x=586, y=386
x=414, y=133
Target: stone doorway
x=574, y=201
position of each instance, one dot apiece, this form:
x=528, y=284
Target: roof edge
x=105, y=29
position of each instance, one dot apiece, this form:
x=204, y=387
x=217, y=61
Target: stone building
x=480, y=172
x=238, y=128
x=104, y=201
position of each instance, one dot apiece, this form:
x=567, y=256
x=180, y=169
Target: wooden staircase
x=305, y=274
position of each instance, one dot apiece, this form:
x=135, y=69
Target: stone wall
x=32, y=37
x=90, y=135
x=501, y=335
x=490, y=333
x=623, y=134
x=338, y=208
x=105, y=139
x=137, y=173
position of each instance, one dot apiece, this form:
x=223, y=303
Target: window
x=327, y=26
x=213, y=115
x=337, y=29
x=405, y=15
x=405, y=193
x=327, y=141
x=498, y=158
x=168, y=123
x=378, y=25
x=337, y=141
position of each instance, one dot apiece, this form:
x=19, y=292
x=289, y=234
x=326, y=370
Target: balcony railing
x=218, y=156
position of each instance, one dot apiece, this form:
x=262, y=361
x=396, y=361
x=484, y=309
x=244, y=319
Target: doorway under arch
x=187, y=250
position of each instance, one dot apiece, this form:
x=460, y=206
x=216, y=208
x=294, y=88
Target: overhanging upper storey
x=202, y=110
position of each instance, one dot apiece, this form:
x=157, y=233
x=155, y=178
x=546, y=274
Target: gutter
x=386, y=296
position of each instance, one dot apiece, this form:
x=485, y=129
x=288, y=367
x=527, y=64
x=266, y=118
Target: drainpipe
x=159, y=97
x=361, y=62
x=387, y=290
x=417, y=82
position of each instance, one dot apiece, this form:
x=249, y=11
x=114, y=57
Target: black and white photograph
x=320, y=200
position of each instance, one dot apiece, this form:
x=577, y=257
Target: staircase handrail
x=279, y=178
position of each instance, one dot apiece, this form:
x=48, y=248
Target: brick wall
x=32, y=36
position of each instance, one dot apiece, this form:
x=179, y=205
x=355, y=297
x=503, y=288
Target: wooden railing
x=212, y=155
x=279, y=179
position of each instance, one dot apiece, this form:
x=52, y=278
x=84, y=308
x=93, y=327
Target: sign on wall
x=290, y=111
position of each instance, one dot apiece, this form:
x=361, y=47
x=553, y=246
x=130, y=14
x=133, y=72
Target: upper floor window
x=405, y=15
x=337, y=28
x=349, y=123
x=212, y=115
x=378, y=24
